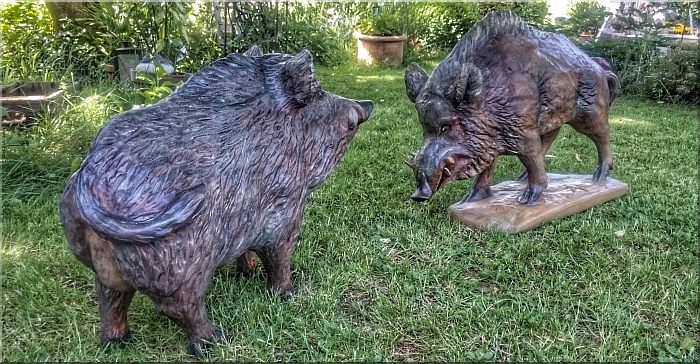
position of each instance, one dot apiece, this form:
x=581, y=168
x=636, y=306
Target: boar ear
x=254, y=51
x=298, y=79
x=466, y=86
x=415, y=78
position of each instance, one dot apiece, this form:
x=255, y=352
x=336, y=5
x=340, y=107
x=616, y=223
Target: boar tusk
x=413, y=155
x=410, y=165
x=447, y=172
x=449, y=161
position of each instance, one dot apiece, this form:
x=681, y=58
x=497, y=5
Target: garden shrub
x=674, y=79
x=32, y=49
x=297, y=28
x=444, y=23
x=645, y=72
x=584, y=17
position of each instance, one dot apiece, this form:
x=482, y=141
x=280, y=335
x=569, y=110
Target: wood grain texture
x=506, y=89
x=565, y=196
x=218, y=171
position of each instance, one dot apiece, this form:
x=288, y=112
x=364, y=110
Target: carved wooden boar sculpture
x=220, y=168
x=506, y=89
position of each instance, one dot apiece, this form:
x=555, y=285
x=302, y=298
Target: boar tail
x=611, y=78
x=134, y=211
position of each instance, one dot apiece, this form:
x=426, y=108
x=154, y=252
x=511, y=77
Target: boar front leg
x=532, y=157
x=547, y=139
x=276, y=258
x=481, y=188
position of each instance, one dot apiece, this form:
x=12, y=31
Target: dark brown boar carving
x=224, y=165
x=506, y=89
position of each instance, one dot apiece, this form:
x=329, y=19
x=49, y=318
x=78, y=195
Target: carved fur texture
x=220, y=169
x=506, y=89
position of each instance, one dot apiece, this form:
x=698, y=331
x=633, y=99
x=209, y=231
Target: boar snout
x=423, y=190
x=367, y=106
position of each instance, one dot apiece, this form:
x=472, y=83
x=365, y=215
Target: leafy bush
x=585, y=17
x=381, y=24
x=533, y=13
x=645, y=72
x=446, y=22
x=31, y=49
x=290, y=30
x=440, y=25
x=675, y=77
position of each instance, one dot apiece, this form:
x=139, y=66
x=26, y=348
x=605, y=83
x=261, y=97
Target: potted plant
x=379, y=39
x=585, y=18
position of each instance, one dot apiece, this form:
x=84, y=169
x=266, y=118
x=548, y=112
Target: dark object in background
x=170, y=192
x=506, y=89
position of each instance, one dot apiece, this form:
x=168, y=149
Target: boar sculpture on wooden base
x=220, y=169
x=506, y=89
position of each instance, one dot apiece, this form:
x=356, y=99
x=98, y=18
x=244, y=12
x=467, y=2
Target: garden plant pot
x=373, y=49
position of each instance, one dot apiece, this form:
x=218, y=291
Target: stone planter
x=35, y=98
x=372, y=49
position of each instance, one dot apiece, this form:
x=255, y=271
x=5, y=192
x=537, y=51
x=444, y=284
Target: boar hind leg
x=597, y=129
x=186, y=308
x=276, y=261
x=481, y=188
x=245, y=264
x=547, y=139
x=113, y=306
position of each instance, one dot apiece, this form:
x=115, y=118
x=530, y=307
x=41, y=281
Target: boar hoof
x=283, y=294
x=476, y=194
x=109, y=343
x=200, y=348
x=531, y=194
x=600, y=174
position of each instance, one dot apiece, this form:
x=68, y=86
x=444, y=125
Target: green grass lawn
x=380, y=277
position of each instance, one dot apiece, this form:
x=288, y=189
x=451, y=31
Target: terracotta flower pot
x=372, y=49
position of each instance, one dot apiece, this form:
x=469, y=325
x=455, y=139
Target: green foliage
x=25, y=25
x=585, y=17
x=440, y=25
x=644, y=71
x=381, y=23
x=155, y=88
x=446, y=22
x=674, y=78
x=291, y=29
x=532, y=12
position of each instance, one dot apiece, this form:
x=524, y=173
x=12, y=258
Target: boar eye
x=353, y=119
x=444, y=129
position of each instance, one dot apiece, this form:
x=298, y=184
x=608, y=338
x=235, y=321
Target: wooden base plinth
x=565, y=195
